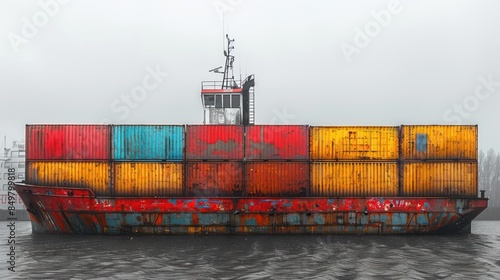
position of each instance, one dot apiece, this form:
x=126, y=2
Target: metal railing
x=217, y=84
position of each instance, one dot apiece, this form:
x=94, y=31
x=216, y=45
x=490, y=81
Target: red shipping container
x=277, y=178
x=67, y=142
x=280, y=142
x=214, y=179
x=214, y=142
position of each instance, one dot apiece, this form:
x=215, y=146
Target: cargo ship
x=232, y=176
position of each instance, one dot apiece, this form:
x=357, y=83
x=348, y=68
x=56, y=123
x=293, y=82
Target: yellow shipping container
x=354, y=179
x=439, y=142
x=448, y=179
x=92, y=175
x=354, y=143
x=148, y=179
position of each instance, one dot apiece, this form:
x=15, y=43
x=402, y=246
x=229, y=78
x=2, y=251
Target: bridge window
x=218, y=101
x=222, y=100
x=209, y=101
x=235, y=101
x=227, y=100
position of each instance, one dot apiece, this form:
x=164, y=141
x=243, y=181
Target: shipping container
x=439, y=142
x=354, y=179
x=354, y=143
x=214, y=179
x=67, y=142
x=147, y=179
x=448, y=179
x=277, y=142
x=148, y=142
x=214, y=142
x=92, y=175
x=277, y=178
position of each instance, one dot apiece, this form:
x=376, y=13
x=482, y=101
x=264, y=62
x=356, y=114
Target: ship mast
x=228, y=82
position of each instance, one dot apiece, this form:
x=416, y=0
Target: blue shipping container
x=148, y=142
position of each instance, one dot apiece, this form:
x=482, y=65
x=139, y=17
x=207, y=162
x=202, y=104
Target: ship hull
x=79, y=211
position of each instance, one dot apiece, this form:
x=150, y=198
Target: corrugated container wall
x=93, y=175
x=457, y=179
x=148, y=142
x=354, y=179
x=439, y=142
x=67, y=142
x=214, y=178
x=277, y=142
x=277, y=178
x=148, y=179
x=214, y=142
x=354, y=143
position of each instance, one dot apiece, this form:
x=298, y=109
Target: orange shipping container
x=277, y=178
x=214, y=178
x=147, y=179
x=354, y=143
x=92, y=175
x=439, y=142
x=448, y=179
x=354, y=179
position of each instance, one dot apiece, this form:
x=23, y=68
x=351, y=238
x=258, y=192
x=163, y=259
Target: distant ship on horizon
x=12, y=157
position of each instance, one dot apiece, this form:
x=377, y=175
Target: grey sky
x=428, y=62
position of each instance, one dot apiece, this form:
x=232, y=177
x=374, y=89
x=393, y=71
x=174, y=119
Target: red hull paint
x=79, y=211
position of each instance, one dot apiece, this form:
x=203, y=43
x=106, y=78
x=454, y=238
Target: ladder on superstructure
x=251, y=106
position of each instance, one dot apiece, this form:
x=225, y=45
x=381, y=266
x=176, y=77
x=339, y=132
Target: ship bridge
x=233, y=105
x=228, y=101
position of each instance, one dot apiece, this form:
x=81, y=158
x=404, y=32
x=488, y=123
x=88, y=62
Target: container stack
x=69, y=155
x=214, y=160
x=439, y=160
x=277, y=160
x=256, y=160
x=354, y=161
x=147, y=160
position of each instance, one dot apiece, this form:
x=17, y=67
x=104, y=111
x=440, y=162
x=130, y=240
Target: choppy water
x=253, y=257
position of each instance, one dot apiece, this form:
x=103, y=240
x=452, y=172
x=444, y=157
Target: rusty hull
x=79, y=211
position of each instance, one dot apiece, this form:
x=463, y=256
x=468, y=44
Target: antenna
x=222, y=29
x=216, y=70
x=228, y=81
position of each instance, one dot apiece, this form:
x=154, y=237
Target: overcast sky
x=315, y=62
